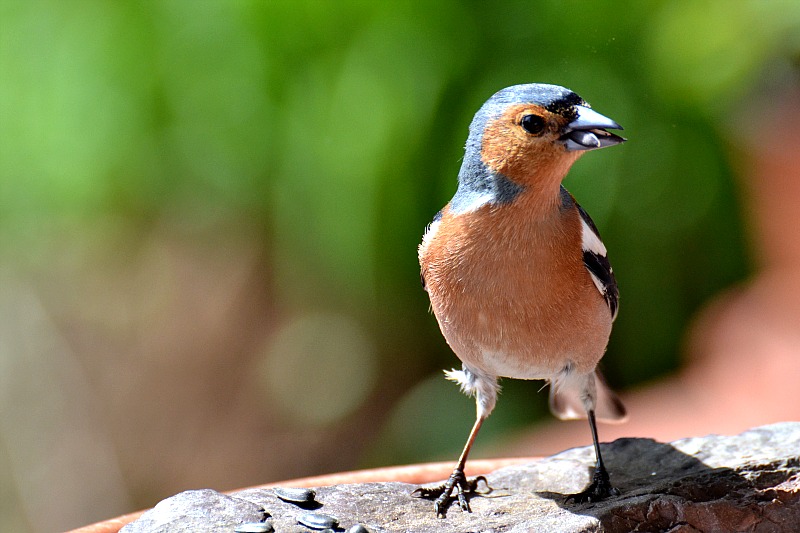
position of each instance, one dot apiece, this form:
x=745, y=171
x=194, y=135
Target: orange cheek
x=533, y=161
x=500, y=147
x=526, y=160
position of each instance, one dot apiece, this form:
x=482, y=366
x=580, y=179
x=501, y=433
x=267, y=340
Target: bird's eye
x=533, y=124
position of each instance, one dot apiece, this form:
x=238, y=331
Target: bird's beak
x=588, y=131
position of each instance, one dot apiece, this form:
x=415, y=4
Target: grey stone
x=749, y=482
x=197, y=510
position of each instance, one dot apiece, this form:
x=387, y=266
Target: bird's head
x=531, y=134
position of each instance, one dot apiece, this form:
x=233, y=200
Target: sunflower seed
x=297, y=496
x=318, y=521
x=255, y=527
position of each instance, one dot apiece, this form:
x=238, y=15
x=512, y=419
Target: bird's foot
x=599, y=489
x=444, y=493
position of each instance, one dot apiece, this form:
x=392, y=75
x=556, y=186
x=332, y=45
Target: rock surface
x=748, y=483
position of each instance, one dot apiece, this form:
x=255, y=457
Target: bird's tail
x=571, y=398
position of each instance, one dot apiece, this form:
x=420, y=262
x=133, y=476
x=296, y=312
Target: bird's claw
x=599, y=489
x=444, y=493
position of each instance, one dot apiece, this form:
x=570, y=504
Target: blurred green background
x=209, y=214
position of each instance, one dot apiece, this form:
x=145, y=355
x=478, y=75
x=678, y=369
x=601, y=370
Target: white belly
x=503, y=365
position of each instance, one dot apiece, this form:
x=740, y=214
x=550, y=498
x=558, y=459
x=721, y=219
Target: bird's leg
x=600, y=487
x=457, y=481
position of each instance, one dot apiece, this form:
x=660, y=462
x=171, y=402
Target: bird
x=517, y=275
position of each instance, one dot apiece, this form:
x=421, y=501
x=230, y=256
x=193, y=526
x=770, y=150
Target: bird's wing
x=595, y=260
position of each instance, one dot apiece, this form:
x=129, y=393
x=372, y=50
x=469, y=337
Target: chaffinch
x=516, y=272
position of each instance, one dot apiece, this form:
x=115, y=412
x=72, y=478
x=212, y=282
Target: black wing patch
x=598, y=265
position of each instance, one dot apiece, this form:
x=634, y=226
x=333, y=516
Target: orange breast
x=510, y=291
